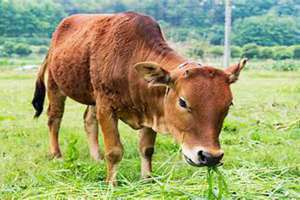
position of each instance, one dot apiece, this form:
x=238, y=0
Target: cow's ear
x=234, y=70
x=153, y=73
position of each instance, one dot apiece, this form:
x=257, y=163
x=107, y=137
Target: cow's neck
x=156, y=116
x=165, y=57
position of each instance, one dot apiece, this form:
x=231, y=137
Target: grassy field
x=261, y=140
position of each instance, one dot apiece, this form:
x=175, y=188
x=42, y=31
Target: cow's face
x=195, y=105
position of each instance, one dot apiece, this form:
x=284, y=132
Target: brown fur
x=91, y=60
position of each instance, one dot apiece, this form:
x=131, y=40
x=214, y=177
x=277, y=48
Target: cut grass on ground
x=261, y=161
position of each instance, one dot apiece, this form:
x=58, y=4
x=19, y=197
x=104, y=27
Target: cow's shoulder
x=142, y=19
x=145, y=27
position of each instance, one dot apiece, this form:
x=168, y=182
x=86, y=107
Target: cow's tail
x=40, y=89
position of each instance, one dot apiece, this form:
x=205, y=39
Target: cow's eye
x=182, y=102
x=231, y=104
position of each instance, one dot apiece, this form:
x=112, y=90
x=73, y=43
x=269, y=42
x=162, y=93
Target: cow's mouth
x=189, y=161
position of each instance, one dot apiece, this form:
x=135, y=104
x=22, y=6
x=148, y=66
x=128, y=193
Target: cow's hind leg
x=55, y=114
x=91, y=128
x=146, y=147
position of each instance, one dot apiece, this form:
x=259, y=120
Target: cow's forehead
x=202, y=82
x=196, y=74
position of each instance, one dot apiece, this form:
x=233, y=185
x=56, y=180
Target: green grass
x=261, y=160
x=15, y=62
x=216, y=192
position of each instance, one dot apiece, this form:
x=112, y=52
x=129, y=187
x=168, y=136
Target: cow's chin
x=191, y=162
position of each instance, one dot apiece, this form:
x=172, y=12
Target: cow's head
x=198, y=99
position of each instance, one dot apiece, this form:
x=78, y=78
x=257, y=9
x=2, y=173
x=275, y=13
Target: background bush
x=266, y=53
x=251, y=51
x=9, y=48
x=296, y=52
x=286, y=65
x=266, y=30
x=264, y=22
x=43, y=50
x=235, y=51
x=216, y=51
x=196, y=51
x=282, y=53
x=27, y=40
x=22, y=49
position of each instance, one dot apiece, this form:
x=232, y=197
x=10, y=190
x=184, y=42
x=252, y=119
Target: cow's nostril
x=209, y=159
x=220, y=156
x=201, y=156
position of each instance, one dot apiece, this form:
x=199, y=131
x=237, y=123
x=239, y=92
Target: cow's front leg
x=146, y=147
x=112, y=144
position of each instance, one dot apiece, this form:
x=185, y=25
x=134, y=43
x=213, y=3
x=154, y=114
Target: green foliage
x=36, y=41
x=4, y=61
x=216, y=34
x=22, y=49
x=287, y=7
x=216, y=51
x=264, y=22
x=297, y=52
x=235, y=51
x=12, y=62
x=8, y=48
x=282, y=53
x=266, y=30
x=286, y=65
x=72, y=153
x=183, y=34
x=266, y=53
x=29, y=18
x=27, y=40
x=43, y=50
x=244, y=9
x=196, y=51
x=274, y=65
x=222, y=188
x=250, y=51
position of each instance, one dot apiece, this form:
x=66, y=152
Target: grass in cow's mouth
x=221, y=189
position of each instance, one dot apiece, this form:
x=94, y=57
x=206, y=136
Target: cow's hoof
x=148, y=179
x=98, y=157
x=113, y=183
x=56, y=155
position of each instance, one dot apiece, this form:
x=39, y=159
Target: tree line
x=264, y=22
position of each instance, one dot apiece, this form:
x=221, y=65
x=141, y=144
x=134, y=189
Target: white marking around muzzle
x=192, y=153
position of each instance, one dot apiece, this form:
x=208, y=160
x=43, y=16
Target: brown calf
x=121, y=66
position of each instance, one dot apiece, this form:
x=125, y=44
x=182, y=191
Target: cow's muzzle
x=205, y=159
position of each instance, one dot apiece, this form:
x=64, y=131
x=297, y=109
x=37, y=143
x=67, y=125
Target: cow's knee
x=54, y=115
x=90, y=116
x=114, y=155
x=91, y=125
